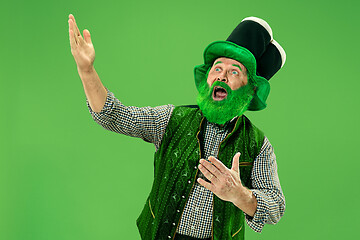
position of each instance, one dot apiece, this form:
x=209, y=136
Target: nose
x=222, y=79
x=222, y=76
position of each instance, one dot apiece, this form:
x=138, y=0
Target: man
x=238, y=179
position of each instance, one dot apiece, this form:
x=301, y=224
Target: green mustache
x=230, y=92
x=235, y=103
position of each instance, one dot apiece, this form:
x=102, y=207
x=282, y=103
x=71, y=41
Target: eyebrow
x=237, y=66
x=218, y=62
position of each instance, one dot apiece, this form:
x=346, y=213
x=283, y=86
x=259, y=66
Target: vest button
x=183, y=196
x=174, y=224
x=189, y=181
x=169, y=237
x=178, y=210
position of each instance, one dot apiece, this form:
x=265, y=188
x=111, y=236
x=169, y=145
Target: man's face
x=226, y=92
x=227, y=70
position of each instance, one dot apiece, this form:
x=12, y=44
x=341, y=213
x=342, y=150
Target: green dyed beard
x=235, y=103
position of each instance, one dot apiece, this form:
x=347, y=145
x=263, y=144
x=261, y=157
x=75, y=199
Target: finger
x=71, y=36
x=205, y=184
x=235, y=163
x=72, y=39
x=72, y=29
x=87, y=36
x=218, y=164
x=76, y=29
x=77, y=34
x=211, y=177
x=210, y=167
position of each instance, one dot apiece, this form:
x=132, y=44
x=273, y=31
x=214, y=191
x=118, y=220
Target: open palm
x=81, y=48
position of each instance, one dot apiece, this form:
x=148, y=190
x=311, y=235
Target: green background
x=62, y=176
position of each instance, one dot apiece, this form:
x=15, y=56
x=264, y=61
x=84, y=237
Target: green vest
x=175, y=170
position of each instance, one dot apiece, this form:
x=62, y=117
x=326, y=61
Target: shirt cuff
x=256, y=222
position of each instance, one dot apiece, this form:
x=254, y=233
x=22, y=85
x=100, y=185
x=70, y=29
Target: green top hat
x=251, y=43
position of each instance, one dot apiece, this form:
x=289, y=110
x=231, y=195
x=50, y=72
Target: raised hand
x=81, y=48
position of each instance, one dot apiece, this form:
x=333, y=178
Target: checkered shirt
x=196, y=220
x=149, y=124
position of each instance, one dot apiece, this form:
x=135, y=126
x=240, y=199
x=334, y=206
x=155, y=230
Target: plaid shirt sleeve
x=147, y=123
x=266, y=189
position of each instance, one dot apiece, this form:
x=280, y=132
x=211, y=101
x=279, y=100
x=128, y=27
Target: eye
x=235, y=72
x=217, y=69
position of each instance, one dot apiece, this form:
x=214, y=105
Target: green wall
x=63, y=177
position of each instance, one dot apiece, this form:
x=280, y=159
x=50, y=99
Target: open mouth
x=219, y=93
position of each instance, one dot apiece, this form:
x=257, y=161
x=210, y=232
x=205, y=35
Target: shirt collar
x=225, y=125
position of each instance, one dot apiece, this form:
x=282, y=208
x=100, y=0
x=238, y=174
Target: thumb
x=87, y=36
x=235, y=163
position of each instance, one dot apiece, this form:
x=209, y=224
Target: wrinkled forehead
x=229, y=61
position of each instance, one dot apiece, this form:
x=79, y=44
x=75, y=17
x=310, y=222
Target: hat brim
x=231, y=50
